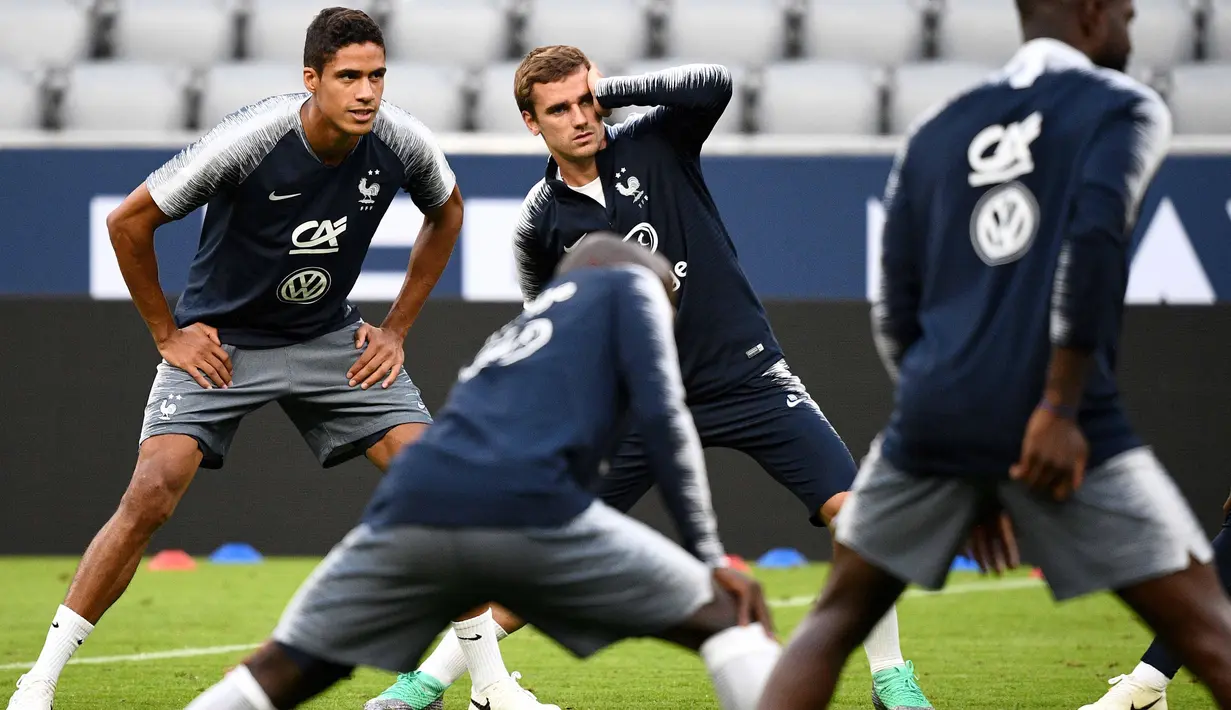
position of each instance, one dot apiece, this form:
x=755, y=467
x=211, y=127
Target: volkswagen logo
x=304, y=286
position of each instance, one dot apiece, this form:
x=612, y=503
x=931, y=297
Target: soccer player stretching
x=643, y=179
x=295, y=187
x=493, y=502
x=1005, y=261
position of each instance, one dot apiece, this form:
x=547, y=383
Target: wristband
x=1059, y=410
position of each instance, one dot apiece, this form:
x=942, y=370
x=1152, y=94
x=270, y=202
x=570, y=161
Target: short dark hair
x=334, y=28
x=606, y=249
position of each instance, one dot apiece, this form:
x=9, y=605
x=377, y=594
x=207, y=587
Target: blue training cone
x=236, y=553
x=962, y=563
x=782, y=557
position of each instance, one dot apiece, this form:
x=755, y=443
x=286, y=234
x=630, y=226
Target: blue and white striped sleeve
x=225, y=155
x=1092, y=272
x=688, y=100
x=428, y=178
x=895, y=301
x=650, y=369
x=536, y=264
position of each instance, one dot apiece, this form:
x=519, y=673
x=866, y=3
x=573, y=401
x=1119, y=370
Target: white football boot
x=506, y=694
x=32, y=694
x=1128, y=693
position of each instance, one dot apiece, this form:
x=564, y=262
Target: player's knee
x=829, y=510
x=162, y=475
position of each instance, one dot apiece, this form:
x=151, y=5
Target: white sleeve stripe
x=524, y=236
x=230, y=151
x=679, y=78
x=690, y=457
x=428, y=173
x=1153, y=137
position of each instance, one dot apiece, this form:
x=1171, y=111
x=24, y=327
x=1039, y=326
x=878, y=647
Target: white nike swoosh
x=576, y=243
x=274, y=198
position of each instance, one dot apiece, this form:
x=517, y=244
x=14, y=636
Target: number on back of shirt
x=1006, y=218
x=518, y=341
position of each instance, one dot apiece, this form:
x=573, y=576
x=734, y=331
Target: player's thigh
x=1126, y=524
x=178, y=405
x=909, y=526
x=340, y=422
x=779, y=425
x=378, y=599
x=605, y=577
x=627, y=478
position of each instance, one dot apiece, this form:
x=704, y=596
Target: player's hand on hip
x=198, y=351
x=382, y=359
x=592, y=79
x=749, y=598
x=993, y=545
x=1054, y=453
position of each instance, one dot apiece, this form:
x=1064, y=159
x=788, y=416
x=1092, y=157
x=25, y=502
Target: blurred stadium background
x=97, y=93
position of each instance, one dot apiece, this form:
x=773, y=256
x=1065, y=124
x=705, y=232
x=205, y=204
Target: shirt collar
x=1052, y=53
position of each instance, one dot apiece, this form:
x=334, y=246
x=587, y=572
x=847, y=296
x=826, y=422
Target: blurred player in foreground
x=1005, y=259
x=494, y=502
x=1146, y=686
x=295, y=187
x=643, y=179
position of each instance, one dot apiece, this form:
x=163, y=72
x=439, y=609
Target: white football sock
x=237, y=691
x=882, y=645
x=447, y=663
x=68, y=632
x=477, y=638
x=1151, y=676
x=739, y=661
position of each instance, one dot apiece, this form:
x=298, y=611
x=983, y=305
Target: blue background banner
x=806, y=227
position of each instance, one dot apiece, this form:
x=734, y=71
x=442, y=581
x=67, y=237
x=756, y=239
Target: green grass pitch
x=986, y=644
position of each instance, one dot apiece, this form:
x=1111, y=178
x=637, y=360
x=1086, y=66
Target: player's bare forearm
x=131, y=227
x=1066, y=377
x=428, y=259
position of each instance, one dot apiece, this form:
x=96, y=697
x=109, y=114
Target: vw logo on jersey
x=304, y=286
x=1004, y=224
x=645, y=235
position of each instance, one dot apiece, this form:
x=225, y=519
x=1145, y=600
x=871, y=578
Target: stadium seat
x=36, y=33
x=748, y=32
x=434, y=93
x=986, y=31
x=193, y=32
x=230, y=87
x=844, y=30
x=916, y=88
x=623, y=26
x=1218, y=30
x=819, y=97
x=467, y=32
x=23, y=99
x=125, y=96
x=276, y=28
x=496, y=109
x=732, y=120
x=1199, y=99
x=1164, y=33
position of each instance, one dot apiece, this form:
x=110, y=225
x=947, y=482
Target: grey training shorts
x=1128, y=523
x=308, y=380
x=382, y=596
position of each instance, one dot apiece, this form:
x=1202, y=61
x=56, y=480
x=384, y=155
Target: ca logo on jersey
x=304, y=286
x=644, y=235
x=318, y=237
x=1006, y=219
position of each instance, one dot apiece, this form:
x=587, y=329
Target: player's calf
x=856, y=597
x=739, y=658
x=1192, y=614
x=276, y=677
